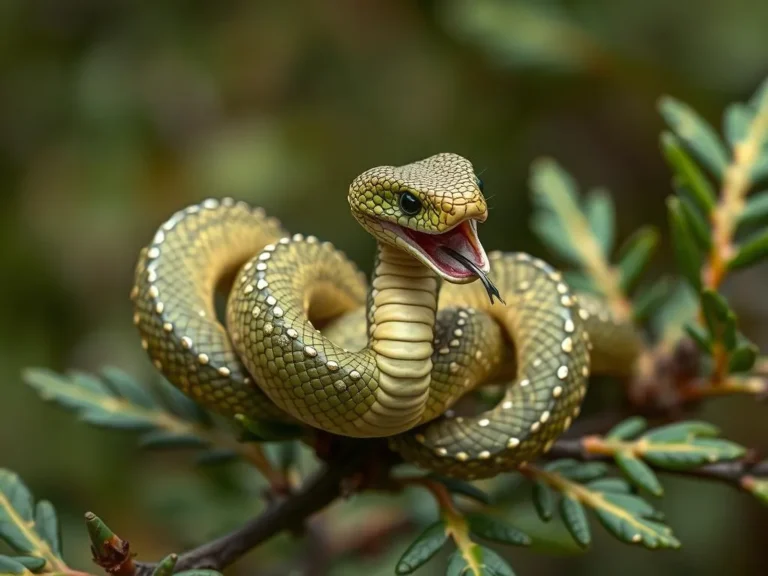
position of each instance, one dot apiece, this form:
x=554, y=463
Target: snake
x=303, y=336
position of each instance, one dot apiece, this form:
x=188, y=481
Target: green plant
x=693, y=350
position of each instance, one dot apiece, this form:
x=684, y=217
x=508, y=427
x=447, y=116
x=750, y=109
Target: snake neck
x=401, y=314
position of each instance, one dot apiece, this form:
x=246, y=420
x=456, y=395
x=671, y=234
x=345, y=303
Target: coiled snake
x=423, y=335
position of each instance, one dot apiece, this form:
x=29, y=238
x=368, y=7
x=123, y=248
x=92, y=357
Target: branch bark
x=287, y=513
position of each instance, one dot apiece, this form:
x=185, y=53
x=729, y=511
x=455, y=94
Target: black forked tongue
x=489, y=286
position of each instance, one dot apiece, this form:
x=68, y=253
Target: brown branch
x=352, y=462
x=735, y=473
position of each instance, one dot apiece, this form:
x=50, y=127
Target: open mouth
x=456, y=255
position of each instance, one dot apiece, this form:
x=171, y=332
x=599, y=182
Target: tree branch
x=734, y=473
x=284, y=514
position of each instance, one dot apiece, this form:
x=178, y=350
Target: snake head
x=429, y=209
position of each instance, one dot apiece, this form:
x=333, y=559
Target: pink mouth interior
x=461, y=239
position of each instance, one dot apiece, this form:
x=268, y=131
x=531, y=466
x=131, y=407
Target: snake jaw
x=436, y=250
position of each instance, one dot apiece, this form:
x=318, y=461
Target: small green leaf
x=165, y=567
x=421, y=550
x=497, y=530
x=686, y=252
x=700, y=138
x=681, y=432
x=627, y=429
x=263, y=431
x=543, y=500
x=736, y=122
x=216, y=456
x=758, y=488
x=632, y=529
x=756, y=209
x=585, y=472
x=127, y=387
x=29, y=530
x=743, y=357
x=699, y=336
x=633, y=504
x=463, y=488
x=688, y=172
x=550, y=232
x=11, y=566
x=492, y=564
x=720, y=319
x=163, y=439
x=635, y=254
x=759, y=170
x=639, y=472
x=613, y=485
x=648, y=300
x=600, y=213
x=699, y=228
x=750, y=252
x=692, y=454
x=47, y=525
x=580, y=282
x=31, y=563
x=575, y=518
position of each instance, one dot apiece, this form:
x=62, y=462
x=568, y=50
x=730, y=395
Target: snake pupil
x=409, y=204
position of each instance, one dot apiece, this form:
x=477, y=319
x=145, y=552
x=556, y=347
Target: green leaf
x=93, y=401
x=166, y=565
x=737, y=120
x=688, y=172
x=750, y=252
x=543, y=500
x=580, y=282
x=699, y=336
x=758, y=488
x=627, y=429
x=10, y=566
x=264, y=431
x=550, y=232
x=47, y=525
x=585, y=472
x=163, y=439
x=635, y=254
x=681, y=432
x=29, y=530
x=600, y=213
x=127, y=387
x=759, y=170
x=463, y=488
x=497, y=530
x=756, y=209
x=687, y=254
x=743, y=358
x=699, y=227
x=691, y=454
x=648, y=300
x=700, y=138
x=633, y=504
x=421, y=550
x=575, y=518
x=633, y=529
x=720, y=319
x=613, y=485
x=31, y=563
x=492, y=564
x=639, y=472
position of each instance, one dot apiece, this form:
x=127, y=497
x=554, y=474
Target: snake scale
x=391, y=356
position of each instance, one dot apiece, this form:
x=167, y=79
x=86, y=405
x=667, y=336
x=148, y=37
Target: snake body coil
x=420, y=337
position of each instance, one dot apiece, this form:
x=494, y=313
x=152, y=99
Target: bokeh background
x=113, y=115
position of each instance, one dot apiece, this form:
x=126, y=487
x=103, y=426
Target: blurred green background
x=113, y=115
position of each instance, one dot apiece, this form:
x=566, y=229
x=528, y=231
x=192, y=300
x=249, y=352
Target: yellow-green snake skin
x=422, y=335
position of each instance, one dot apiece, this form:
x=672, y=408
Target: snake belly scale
x=393, y=354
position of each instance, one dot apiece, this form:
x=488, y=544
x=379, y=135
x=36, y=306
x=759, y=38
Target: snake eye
x=409, y=204
x=479, y=183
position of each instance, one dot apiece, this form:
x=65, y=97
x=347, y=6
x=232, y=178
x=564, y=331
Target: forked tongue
x=489, y=286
